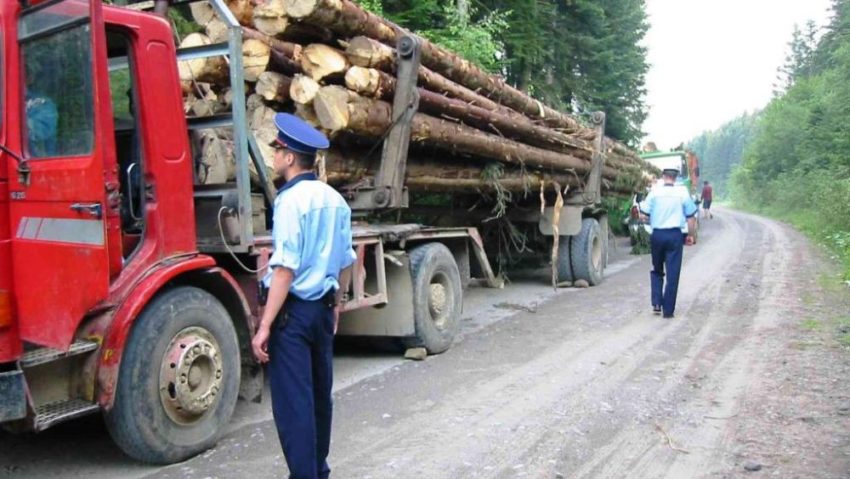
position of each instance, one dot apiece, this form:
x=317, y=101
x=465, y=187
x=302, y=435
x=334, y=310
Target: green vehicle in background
x=688, y=165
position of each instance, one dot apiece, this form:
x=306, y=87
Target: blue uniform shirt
x=312, y=236
x=668, y=206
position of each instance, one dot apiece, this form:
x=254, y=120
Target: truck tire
x=179, y=378
x=437, y=297
x=587, y=253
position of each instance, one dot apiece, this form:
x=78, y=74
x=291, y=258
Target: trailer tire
x=179, y=378
x=587, y=252
x=437, y=297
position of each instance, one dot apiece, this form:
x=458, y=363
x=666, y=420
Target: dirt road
x=752, y=373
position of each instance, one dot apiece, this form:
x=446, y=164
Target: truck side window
x=59, y=109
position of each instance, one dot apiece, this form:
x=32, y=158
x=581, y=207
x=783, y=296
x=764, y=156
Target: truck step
x=52, y=413
x=46, y=355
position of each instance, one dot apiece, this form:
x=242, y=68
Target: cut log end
x=255, y=58
x=307, y=113
x=271, y=26
x=202, y=13
x=303, y=89
x=365, y=52
x=305, y=8
x=216, y=30
x=319, y=61
x=270, y=17
x=331, y=105
x=362, y=80
x=273, y=86
x=211, y=69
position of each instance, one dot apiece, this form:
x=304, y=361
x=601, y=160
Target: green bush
x=797, y=167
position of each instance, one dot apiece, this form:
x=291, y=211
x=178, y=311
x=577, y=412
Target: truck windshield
x=56, y=55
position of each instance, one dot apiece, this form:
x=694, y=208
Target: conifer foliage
x=576, y=55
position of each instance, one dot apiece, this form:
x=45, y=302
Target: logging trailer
x=124, y=284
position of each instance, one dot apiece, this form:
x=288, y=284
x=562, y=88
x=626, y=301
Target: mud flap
x=13, y=396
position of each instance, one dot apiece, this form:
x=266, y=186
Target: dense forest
x=796, y=154
x=577, y=56
x=721, y=150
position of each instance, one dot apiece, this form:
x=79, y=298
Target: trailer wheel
x=587, y=252
x=179, y=378
x=437, y=297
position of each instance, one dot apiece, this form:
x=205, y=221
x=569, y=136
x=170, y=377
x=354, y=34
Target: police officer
x=669, y=207
x=308, y=270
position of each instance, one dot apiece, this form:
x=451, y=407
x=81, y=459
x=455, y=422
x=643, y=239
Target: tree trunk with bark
x=368, y=53
x=452, y=175
x=377, y=84
x=371, y=118
x=348, y=19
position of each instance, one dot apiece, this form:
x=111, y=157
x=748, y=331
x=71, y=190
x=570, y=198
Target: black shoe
x=656, y=309
x=668, y=316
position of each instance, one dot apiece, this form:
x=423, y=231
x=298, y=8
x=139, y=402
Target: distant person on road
x=309, y=271
x=707, y=195
x=669, y=208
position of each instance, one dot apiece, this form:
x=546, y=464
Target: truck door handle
x=94, y=209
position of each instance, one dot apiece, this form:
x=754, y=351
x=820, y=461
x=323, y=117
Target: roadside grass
x=834, y=238
x=811, y=324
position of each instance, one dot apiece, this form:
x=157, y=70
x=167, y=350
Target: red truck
x=128, y=288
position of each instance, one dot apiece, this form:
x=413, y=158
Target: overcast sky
x=711, y=60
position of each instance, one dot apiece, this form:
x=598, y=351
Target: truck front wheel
x=179, y=378
x=437, y=297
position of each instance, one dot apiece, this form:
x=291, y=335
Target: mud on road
x=580, y=383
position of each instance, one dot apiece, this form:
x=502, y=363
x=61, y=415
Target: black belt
x=329, y=298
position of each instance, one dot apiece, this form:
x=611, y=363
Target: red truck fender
x=199, y=271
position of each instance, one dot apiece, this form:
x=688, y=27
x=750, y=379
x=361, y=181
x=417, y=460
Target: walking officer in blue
x=308, y=272
x=670, y=208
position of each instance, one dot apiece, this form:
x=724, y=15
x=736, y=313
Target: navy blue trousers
x=301, y=378
x=666, y=247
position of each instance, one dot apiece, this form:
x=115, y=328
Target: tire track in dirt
x=720, y=361
x=523, y=401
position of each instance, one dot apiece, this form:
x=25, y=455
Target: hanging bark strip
x=348, y=19
x=556, y=236
x=377, y=84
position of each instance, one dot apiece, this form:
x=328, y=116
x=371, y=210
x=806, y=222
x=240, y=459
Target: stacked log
x=334, y=64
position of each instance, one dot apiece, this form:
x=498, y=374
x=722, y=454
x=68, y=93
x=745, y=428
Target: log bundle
x=333, y=64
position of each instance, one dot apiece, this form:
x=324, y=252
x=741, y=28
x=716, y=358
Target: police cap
x=295, y=134
x=670, y=172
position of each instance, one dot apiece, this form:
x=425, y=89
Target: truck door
x=63, y=214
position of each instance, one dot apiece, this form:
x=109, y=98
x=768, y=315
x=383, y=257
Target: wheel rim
x=191, y=375
x=596, y=253
x=439, y=301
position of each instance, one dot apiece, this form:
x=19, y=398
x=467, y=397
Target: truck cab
x=98, y=237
